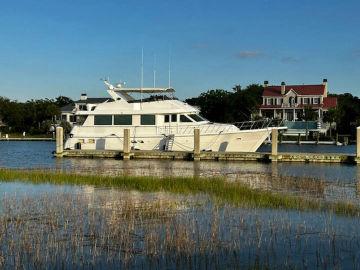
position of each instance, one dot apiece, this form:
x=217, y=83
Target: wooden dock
x=197, y=155
x=25, y=139
x=216, y=156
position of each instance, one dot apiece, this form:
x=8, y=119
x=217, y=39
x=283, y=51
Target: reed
x=218, y=188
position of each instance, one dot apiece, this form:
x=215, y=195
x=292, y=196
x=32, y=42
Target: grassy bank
x=218, y=188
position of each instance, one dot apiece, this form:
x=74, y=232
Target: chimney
x=326, y=87
x=266, y=84
x=83, y=96
x=283, y=88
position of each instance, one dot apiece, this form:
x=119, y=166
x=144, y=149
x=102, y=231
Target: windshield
x=196, y=117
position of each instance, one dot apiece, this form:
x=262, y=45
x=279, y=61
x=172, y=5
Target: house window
x=173, y=118
x=316, y=100
x=166, y=118
x=147, y=119
x=123, y=119
x=103, y=120
x=82, y=107
x=306, y=100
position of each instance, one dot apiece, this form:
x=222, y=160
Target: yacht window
x=123, y=119
x=72, y=118
x=147, y=119
x=80, y=119
x=173, y=118
x=184, y=118
x=166, y=118
x=103, y=120
x=196, y=117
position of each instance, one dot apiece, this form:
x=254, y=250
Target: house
x=288, y=102
x=67, y=112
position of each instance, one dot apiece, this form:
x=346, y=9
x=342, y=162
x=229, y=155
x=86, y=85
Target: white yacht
x=159, y=122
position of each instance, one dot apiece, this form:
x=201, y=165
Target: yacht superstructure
x=159, y=122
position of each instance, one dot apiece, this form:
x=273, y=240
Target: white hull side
x=241, y=141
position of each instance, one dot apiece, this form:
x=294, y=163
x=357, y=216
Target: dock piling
x=59, y=141
x=126, y=144
x=358, y=144
x=196, y=144
x=274, y=144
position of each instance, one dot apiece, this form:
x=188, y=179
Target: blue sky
x=50, y=48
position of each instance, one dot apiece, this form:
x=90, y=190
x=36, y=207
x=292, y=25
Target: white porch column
x=294, y=115
x=284, y=117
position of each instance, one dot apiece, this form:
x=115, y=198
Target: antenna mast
x=169, y=68
x=142, y=72
x=154, y=70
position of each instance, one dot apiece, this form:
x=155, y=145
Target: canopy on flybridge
x=119, y=92
x=144, y=90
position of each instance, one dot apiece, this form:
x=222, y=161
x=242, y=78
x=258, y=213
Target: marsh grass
x=218, y=188
x=112, y=229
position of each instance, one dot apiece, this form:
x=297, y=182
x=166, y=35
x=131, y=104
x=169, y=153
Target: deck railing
x=259, y=124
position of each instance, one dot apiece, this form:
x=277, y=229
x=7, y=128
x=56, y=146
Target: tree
x=62, y=101
x=225, y=106
x=214, y=105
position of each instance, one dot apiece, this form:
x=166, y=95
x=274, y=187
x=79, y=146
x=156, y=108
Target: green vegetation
x=240, y=104
x=225, y=191
x=346, y=115
x=229, y=106
x=33, y=116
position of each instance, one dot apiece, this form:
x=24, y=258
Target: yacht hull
x=240, y=141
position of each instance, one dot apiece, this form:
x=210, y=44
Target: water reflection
x=89, y=227
x=324, y=181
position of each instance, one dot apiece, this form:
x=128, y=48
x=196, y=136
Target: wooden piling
x=196, y=144
x=358, y=144
x=126, y=147
x=59, y=141
x=274, y=144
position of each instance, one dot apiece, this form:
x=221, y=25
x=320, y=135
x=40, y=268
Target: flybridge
x=145, y=90
x=119, y=92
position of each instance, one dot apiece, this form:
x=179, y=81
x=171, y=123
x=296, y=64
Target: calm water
x=39, y=155
x=61, y=226
x=333, y=181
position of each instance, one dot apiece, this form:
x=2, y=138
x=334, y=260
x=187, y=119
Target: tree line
x=217, y=105
x=32, y=116
x=242, y=104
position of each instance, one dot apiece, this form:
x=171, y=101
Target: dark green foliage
x=225, y=106
x=347, y=113
x=33, y=116
x=62, y=101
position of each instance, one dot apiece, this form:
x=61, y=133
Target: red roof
x=275, y=90
x=330, y=102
